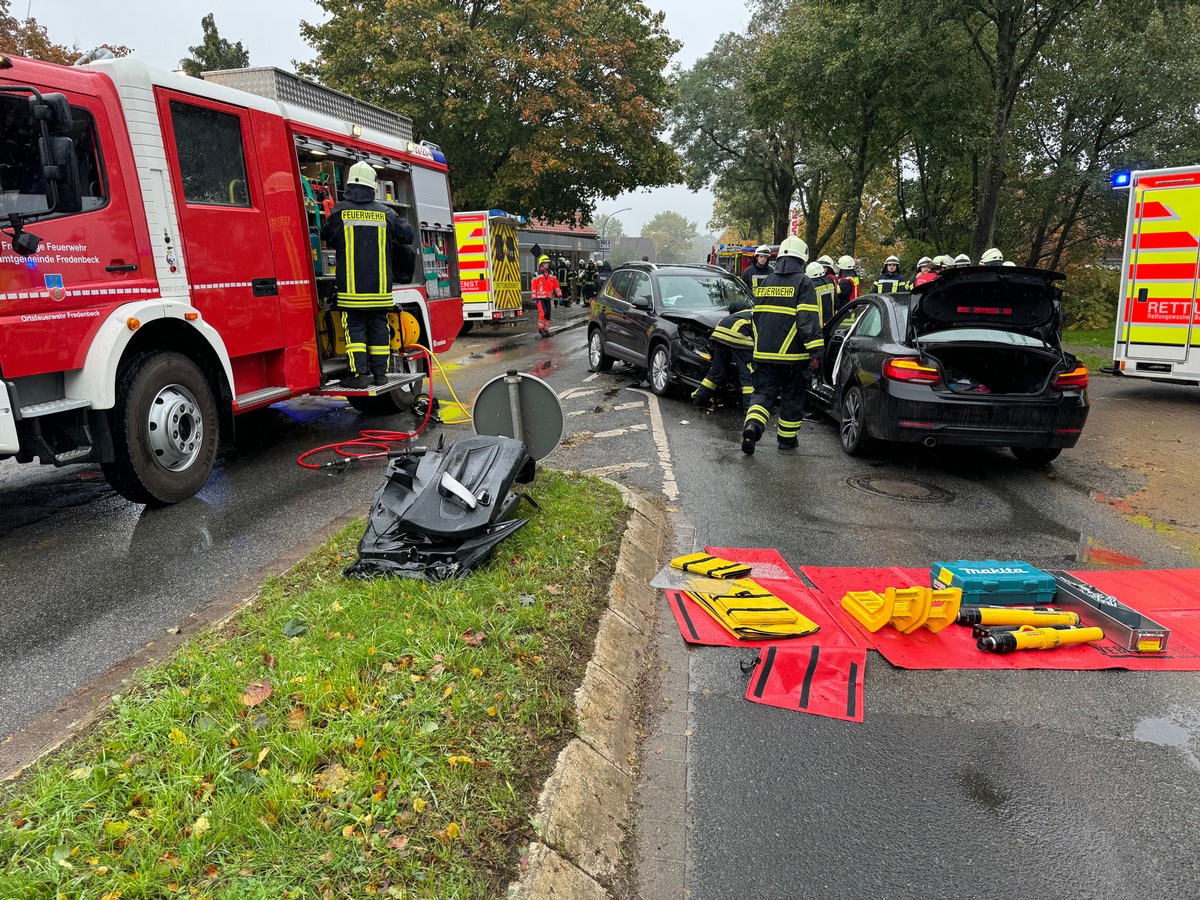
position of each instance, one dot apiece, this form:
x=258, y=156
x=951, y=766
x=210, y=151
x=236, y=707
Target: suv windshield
x=702, y=290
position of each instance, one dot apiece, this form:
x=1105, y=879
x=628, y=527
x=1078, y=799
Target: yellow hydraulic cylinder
x=1027, y=637
x=1008, y=615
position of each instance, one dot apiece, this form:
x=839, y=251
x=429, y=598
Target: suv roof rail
x=642, y=263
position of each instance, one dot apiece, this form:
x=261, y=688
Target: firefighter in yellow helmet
x=365, y=234
x=787, y=347
x=544, y=288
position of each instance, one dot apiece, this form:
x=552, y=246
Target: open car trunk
x=980, y=367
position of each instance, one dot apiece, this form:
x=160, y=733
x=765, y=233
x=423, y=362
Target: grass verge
x=339, y=738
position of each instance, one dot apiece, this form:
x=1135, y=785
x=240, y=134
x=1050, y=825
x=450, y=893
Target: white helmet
x=794, y=246
x=924, y=261
x=814, y=270
x=892, y=259
x=362, y=173
x=764, y=250
x=1008, y=262
x=827, y=262
x=962, y=260
x=845, y=262
x=992, y=257
x=943, y=261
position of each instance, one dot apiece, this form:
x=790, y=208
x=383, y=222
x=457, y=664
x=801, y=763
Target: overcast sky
x=161, y=31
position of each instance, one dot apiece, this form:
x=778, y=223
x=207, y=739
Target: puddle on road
x=1168, y=733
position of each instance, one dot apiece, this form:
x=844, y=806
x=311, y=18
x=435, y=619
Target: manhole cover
x=900, y=489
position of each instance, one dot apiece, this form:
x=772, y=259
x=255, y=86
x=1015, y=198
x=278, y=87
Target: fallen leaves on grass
x=256, y=692
x=473, y=639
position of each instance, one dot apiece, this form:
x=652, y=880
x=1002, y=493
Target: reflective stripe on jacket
x=544, y=286
x=787, y=324
x=736, y=330
x=363, y=235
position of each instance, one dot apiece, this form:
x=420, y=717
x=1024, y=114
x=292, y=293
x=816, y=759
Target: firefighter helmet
x=942, y=261
x=1008, y=262
x=764, y=250
x=794, y=246
x=845, y=262
x=924, y=261
x=543, y=259
x=892, y=259
x=814, y=270
x=962, y=260
x=827, y=262
x=992, y=257
x=362, y=173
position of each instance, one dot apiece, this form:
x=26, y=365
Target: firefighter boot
x=789, y=443
x=356, y=382
x=380, y=378
x=702, y=397
x=750, y=435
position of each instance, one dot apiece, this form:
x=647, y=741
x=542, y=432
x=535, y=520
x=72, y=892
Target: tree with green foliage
x=673, y=236
x=539, y=105
x=214, y=52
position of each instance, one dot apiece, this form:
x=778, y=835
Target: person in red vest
x=545, y=290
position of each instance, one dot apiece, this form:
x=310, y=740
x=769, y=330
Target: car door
x=641, y=319
x=615, y=315
x=831, y=373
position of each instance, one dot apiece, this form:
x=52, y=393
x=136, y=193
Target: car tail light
x=1075, y=380
x=905, y=368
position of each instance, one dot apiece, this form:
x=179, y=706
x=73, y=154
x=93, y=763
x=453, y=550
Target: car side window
x=843, y=323
x=640, y=291
x=618, y=285
x=872, y=323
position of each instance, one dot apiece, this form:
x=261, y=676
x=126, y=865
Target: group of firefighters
x=776, y=343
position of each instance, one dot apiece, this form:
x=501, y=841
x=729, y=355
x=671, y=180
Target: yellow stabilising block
x=906, y=609
x=711, y=566
x=754, y=614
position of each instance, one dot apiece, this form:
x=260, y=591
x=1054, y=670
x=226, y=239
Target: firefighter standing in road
x=732, y=345
x=847, y=281
x=787, y=347
x=826, y=287
x=365, y=234
x=759, y=269
x=545, y=290
x=589, y=283
x=890, y=280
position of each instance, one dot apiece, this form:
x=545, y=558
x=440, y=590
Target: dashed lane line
x=670, y=486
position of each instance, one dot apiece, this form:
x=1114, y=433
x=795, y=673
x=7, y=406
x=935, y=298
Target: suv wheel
x=659, y=370
x=597, y=358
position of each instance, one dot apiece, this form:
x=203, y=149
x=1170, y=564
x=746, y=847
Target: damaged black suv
x=660, y=318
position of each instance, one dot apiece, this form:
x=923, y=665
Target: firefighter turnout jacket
x=755, y=273
x=364, y=236
x=787, y=322
x=826, y=288
x=736, y=330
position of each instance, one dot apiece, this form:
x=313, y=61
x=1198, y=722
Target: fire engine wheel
x=1035, y=456
x=164, y=429
x=384, y=404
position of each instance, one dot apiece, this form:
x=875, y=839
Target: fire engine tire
x=597, y=358
x=852, y=425
x=1035, y=456
x=165, y=430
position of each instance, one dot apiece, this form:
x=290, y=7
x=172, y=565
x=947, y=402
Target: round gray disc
x=541, y=413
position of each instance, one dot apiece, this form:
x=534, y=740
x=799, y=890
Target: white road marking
x=670, y=487
x=617, y=432
x=579, y=412
x=604, y=471
x=572, y=393
x=624, y=406
x=591, y=377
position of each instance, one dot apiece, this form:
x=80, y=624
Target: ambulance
x=1158, y=323
x=489, y=268
x=162, y=271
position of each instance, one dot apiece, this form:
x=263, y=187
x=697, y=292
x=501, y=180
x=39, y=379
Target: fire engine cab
x=162, y=270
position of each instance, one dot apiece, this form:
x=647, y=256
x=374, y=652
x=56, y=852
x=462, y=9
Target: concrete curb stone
x=586, y=803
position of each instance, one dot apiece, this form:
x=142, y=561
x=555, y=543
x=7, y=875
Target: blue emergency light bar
x=1120, y=180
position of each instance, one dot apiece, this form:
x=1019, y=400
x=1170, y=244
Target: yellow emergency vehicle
x=489, y=272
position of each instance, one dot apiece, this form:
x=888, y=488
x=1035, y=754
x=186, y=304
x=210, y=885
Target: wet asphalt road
x=958, y=784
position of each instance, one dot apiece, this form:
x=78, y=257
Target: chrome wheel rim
x=594, y=350
x=175, y=428
x=851, y=419
x=659, y=374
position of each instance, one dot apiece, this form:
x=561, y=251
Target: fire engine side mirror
x=25, y=244
x=54, y=110
x=61, y=170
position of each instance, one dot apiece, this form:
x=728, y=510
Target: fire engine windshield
x=22, y=184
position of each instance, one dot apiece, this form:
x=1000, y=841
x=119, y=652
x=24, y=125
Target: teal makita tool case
x=990, y=581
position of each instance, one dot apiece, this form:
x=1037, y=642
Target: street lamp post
x=608, y=218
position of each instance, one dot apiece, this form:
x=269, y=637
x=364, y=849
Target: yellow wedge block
x=906, y=609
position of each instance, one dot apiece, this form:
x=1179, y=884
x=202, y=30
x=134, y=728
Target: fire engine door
x=219, y=194
x=1164, y=261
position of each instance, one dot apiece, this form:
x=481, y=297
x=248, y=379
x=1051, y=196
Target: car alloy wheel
x=660, y=370
x=853, y=424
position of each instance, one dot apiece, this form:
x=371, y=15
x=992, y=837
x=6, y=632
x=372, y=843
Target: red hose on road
x=369, y=444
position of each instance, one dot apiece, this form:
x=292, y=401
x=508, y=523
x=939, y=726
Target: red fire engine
x=165, y=271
